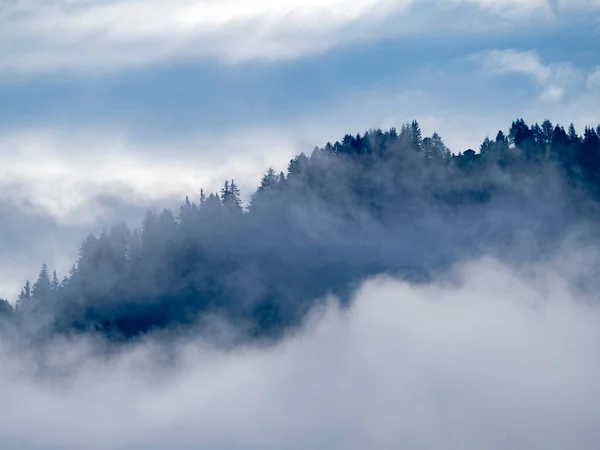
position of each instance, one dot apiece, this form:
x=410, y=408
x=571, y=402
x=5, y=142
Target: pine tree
x=55, y=284
x=573, y=136
x=501, y=142
x=202, y=197
x=136, y=254
x=520, y=134
x=42, y=287
x=230, y=197
x=186, y=210
x=416, y=135
x=6, y=310
x=235, y=198
x=268, y=181
x=486, y=146
x=547, y=131
x=297, y=165
x=24, y=300
x=213, y=205
x=435, y=148
x=225, y=192
x=538, y=134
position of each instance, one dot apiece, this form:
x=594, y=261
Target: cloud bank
x=492, y=357
x=39, y=36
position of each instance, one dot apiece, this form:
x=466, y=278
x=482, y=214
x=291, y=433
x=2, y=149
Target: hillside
x=381, y=202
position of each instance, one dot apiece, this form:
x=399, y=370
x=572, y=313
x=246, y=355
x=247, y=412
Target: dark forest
x=380, y=202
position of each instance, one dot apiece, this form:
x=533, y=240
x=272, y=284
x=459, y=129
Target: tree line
x=383, y=201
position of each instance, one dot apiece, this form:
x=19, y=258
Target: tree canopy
x=383, y=201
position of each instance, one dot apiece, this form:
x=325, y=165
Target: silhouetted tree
x=230, y=198
x=416, y=135
x=6, y=308
x=350, y=210
x=42, y=287
x=24, y=300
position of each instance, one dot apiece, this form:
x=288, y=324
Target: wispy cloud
x=554, y=79
x=60, y=171
x=593, y=80
x=40, y=36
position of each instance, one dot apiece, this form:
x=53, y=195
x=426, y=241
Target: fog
x=488, y=356
x=383, y=293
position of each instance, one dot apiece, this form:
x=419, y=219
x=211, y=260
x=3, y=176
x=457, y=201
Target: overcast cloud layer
x=67, y=34
x=110, y=35
x=491, y=357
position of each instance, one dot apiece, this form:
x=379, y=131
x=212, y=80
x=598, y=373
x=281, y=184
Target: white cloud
x=578, y=4
x=593, y=80
x=60, y=171
x=37, y=35
x=515, y=61
x=555, y=78
x=64, y=34
x=509, y=8
x=490, y=359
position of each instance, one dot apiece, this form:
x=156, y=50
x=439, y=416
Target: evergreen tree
x=573, y=136
x=501, y=142
x=202, y=197
x=24, y=300
x=42, y=287
x=434, y=147
x=308, y=225
x=136, y=253
x=486, y=146
x=186, y=210
x=298, y=164
x=520, y=134
x=55, y=284
x=547, y=132
x=6, y=310
x=225, y=193
x=268, y=181
x=416, y=135
x=230, y=197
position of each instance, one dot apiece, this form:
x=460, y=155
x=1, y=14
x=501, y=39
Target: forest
x=382, y=202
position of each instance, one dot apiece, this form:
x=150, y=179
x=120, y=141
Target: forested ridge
x=381, y=202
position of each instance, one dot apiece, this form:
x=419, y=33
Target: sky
x=108, y=108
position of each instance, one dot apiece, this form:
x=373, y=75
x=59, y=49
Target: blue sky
x=110, y=107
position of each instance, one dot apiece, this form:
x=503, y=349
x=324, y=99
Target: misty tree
x=55, y=286
x=202, y=198
x=187, y=209
x=547, y=132
x=573, y=136
x=6, y=309
x=230, y=198
x=487, y=146
x=24, y=299
x=42, y=287
x=416, y=135
x=369, y=203
x=434, y=147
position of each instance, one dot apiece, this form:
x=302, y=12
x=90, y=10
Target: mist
x=390, y=202
x=489, y=356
